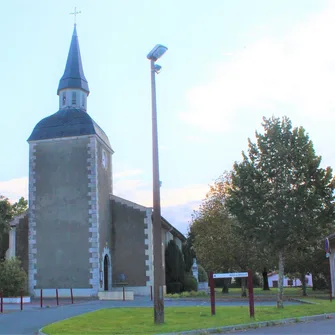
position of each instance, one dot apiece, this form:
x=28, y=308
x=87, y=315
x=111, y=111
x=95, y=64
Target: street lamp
x=157, y=52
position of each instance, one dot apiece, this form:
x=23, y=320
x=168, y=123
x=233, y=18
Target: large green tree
x=279, y=194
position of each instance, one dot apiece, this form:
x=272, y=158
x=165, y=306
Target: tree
x=20, y=207
x=279, y=194
x=188, y=252
x=7, y=213
x=306, y=260
x=217, y=243
x=174, y=268
x=12, y=277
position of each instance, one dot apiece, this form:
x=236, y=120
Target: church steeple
x=73, y=87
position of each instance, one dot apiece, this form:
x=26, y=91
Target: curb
x=253, y=325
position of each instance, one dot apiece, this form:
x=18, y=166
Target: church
x=76, y=233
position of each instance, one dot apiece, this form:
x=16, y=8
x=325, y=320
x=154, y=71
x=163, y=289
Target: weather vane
x=75, y=14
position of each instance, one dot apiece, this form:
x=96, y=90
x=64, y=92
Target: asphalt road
x=324, y=327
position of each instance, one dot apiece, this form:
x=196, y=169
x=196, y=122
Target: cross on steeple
x=75, y=14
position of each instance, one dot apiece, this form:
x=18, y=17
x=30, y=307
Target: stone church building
x=76, y=233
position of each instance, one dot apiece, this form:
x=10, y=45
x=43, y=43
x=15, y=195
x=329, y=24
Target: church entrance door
x=106, y=264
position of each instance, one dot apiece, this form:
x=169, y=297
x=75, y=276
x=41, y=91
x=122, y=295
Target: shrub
x=173, y=287
x=190, y=294
x=174, y=266
x=190, y=283
x=202, y=274
x=12, y=277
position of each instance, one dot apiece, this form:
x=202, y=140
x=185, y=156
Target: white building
x=273, y=279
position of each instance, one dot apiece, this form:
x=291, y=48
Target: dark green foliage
x=188, y=252
x=190, y=283
x=12, y=278
x=174, y=267
x=256, y=280
x=7, y=213
x=320, y=282
x=308, y=259
x=202, y=274
x=174, y=287
x=20, y=207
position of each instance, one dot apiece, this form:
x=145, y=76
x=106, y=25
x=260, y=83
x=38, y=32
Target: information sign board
x=230, y=275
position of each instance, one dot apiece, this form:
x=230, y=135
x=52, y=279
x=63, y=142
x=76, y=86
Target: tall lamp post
x=157, y=52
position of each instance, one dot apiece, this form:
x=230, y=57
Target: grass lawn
x=235, y=293
x=140, y=320
x=288, y=291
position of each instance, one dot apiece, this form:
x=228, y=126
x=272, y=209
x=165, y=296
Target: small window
x=83, y=100
x=290, y=282
x=74, y=98
x=64, y=98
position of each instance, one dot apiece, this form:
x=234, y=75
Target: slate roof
x=67, y=123
x=73, y=76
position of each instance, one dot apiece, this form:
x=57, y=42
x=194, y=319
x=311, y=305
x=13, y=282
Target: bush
x=12, y=277
x=190, y=294
x=202, y=274
x=173, y=287
x=320, y=282
x=174, y=267
x=190, y=283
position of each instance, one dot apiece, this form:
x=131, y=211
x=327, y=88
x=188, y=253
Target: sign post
x=248, y=275
x=251, y=295
x=328, y=252
x=212, y=292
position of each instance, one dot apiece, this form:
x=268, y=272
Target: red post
x=212, y=291
x=251, y=295
x=123, y=293
x=71, y=295
x=1, y=301
x=21, y=299
x=151, y=292
x=41, y=298
x=57, y=296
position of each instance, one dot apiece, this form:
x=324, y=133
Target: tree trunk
x=265, y=280
x=303, y=285
x=244, y=286
x=225, y=288
x=280, y=280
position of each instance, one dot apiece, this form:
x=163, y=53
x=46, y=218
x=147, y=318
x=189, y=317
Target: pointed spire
x=73, y=76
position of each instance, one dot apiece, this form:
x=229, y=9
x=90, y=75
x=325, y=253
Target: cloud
x=292, y=74
x=127, y=173
x=14, y=189
x=180, y=215
x=139, y=191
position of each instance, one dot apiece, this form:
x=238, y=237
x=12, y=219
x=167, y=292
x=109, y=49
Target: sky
x=228, y=64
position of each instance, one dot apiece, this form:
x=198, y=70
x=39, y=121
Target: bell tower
x=70, y=182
